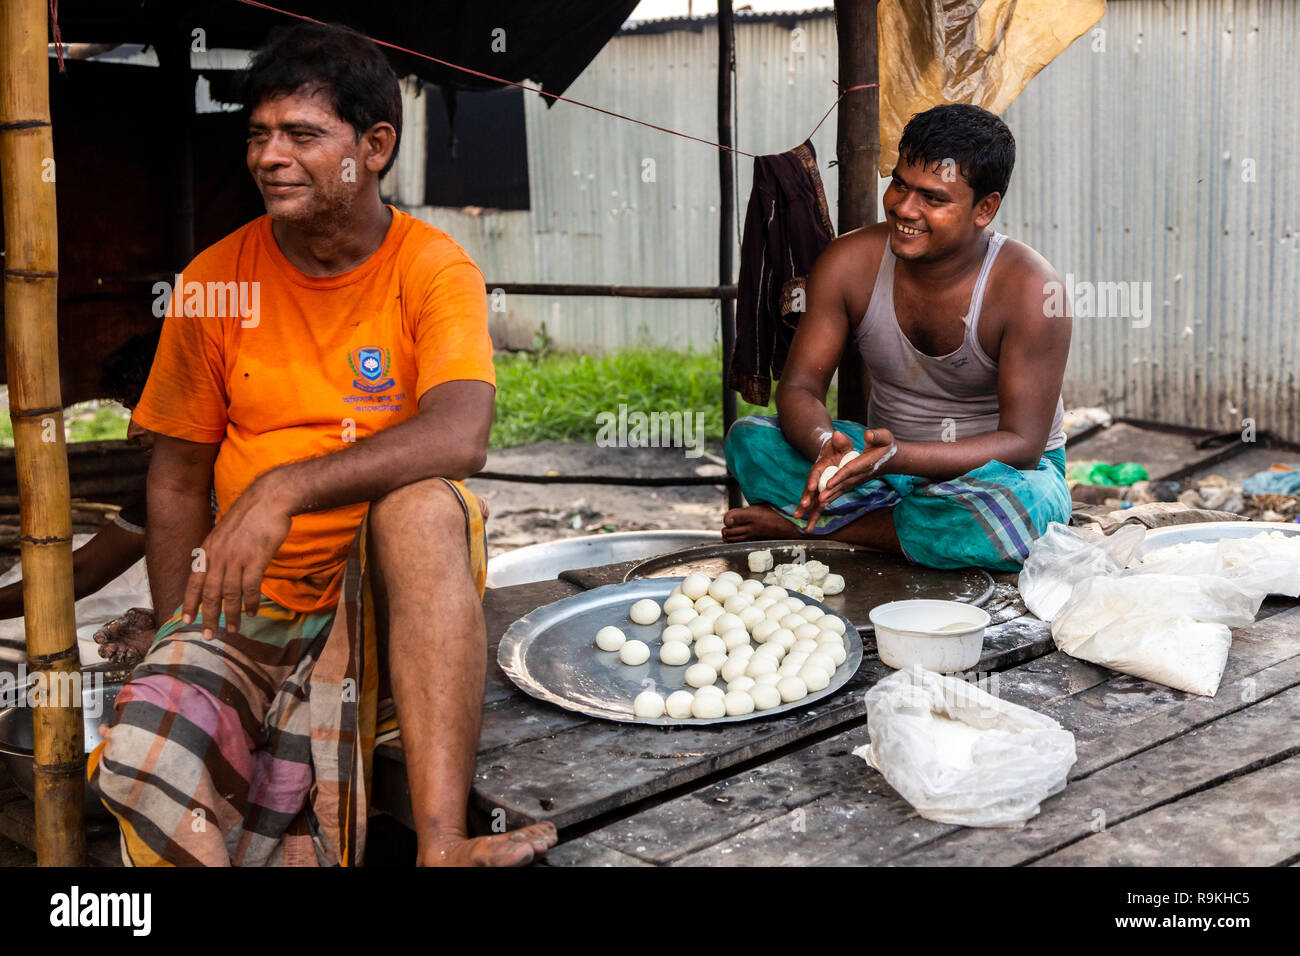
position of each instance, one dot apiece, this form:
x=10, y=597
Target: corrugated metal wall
x=1158, y=151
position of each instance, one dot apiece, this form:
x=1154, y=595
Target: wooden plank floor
x=1162, y=776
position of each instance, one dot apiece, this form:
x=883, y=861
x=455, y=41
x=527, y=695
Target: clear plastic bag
x=1062, y=557
x=960, y=755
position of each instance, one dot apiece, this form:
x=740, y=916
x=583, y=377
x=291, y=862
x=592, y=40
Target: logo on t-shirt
x=371, y=365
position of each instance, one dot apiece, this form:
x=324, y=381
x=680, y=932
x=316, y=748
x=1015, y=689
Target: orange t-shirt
x=282, y=366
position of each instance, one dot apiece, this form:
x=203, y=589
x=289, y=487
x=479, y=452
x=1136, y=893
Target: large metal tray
x=551, y=654
x=871, y=577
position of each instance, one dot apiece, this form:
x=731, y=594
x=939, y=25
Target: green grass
x=556, y=396
x=87, y=421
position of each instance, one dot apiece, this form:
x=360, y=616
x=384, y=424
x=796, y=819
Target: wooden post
x=857, y=149
x=27, y=175
x=726, y=209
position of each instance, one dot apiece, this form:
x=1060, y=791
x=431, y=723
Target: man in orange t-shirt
x=325, y=364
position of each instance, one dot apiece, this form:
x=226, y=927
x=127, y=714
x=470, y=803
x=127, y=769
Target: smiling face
x=309, y=164
x=932, y=215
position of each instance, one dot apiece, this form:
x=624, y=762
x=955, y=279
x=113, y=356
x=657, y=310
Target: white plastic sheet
x=960, y=755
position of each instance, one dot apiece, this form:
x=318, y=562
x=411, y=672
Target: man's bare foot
x=126, y=639
x=758, y=523
x=516, y=848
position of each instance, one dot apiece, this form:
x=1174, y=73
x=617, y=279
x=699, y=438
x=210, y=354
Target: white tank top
x=923, y=397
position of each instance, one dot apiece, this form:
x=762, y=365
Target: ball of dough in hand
x=708, y=706
x=696, y=586
x=679, y=703
x=827, y=474
x=648, y=704
x=610, y=638
x=634, y=653
x=675, y=653
x=700, y=675
x=644, y=611
x=765, y=697
x=792, y=689
x=738, y=703
x=848, y=457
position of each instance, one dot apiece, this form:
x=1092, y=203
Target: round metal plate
x=551, y=654
x=871, y=577
x=1210, y=532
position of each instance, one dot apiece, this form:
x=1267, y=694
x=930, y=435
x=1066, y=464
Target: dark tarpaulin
x=550, y=42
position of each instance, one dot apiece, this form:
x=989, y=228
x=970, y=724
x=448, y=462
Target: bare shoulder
x=1022, y=285
x=850, y=263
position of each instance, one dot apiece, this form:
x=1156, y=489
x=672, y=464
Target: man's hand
x=879, y=442
x=236, y=554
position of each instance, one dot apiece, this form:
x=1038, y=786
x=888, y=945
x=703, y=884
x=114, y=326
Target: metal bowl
x=100, y=687
x=544, y=562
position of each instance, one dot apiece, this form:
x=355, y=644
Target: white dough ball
x=675, y=633
x=796, y=658
x=784, y=637
x=827, y=474
x=738, y=703
x=610, y=638
x=806, y=645
x=644, y=611
x=792, y=689
x=789, y=670
x=708, y=707
x=795, y=605
x=727, y=622
x=695, y=586
x=759, y=665
x=814, y=592
x=733, y=576
x=740, y=683
x=751, y=617
x=709, y=644
x=706, y=602
x=765, y=697
x=833, y=584
x=752, y=588
x=807, y=632
x=769, y=579
x=834, y=651
x=737, y=602
x=829, y=622
x=792, y=582
x=721, y=589
x=634, y=653
x=765, y=629
x=811, y=613
x=679, y=703
x=733, y=668
x=683, y=615
x=677, y=589
x=824, y=661
x=677, y=602
x=760, y=561
x=700, y=675
x=710, y=689
x=700, y=626
x=742, y=651
x=814, y=678
x=648, y=704
x=714, y=660
x=768, y=680
x=763, y=603
x=735, y=638
x=848, y=457
x=791, y=621
x=775, y=593
x=713, y=613
x=817, y=571
x=675, y=653
x=773, y=652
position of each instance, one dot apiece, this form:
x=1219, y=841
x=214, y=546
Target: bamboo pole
x=726, y=234
x=27, y=177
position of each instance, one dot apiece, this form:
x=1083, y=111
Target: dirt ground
x=523, y=514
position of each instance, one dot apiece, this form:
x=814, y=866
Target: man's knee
x=421, y=507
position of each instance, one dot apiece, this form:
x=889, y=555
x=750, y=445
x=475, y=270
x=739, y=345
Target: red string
x=554, y=96
x=57, y=34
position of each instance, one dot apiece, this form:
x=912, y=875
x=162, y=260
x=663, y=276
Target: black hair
x=976, y=140
x=127, y=369
x=350, y=69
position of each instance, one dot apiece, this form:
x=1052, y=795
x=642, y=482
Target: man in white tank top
x=963, y=459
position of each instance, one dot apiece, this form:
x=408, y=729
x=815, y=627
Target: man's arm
x=447, y=438
x=180, y=517
x=111, y=551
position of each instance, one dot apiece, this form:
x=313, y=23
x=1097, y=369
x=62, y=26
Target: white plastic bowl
x=921, y=633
